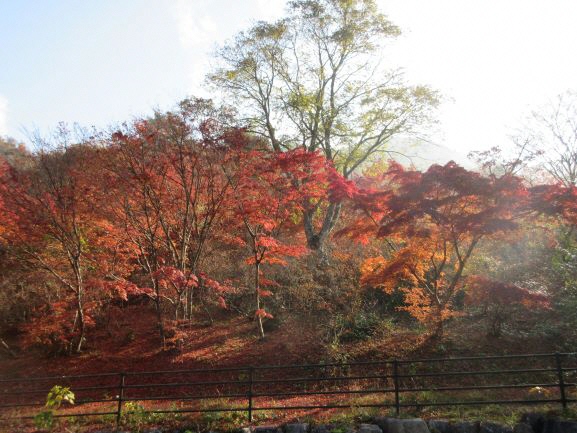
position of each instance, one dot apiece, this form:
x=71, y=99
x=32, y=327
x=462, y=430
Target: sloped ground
x=130, y=342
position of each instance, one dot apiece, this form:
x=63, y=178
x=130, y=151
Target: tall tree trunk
x=159, y=318
x=190, y=292
x=257, y=292
x=76, y=264
x=440, y=325
x=316, y=239
x=74, y=322
x=207, y=311
x=81, y=321
x=5, y=346
x=189, y=297
x=176, y=308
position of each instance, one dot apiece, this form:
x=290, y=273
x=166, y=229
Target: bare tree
x=550, y=137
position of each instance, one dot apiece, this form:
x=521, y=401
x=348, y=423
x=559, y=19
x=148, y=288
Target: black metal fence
x=395, y=384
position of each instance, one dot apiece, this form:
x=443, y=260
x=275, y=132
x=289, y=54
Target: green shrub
x=56, y=396
x=362, y=326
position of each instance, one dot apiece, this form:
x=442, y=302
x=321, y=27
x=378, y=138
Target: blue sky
x=103, y=62
x=86, y=61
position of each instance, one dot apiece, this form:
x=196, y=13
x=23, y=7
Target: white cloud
x=197, y=31
x=270, y=9
x=195, y=27
x=204, y=24
x=3, y=115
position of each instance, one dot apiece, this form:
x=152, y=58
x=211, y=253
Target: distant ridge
x=422, y=153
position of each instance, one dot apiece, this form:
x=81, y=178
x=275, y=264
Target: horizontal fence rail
x=395, y=384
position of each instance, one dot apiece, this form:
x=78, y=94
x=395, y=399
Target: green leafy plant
x=56, y=396
x=44, y=420
x=135, y=416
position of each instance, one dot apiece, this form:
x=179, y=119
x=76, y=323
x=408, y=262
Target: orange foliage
x=431, y=223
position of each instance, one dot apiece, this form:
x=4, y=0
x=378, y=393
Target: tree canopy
x=315, y=79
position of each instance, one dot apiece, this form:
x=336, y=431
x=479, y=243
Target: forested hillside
x=287, y=220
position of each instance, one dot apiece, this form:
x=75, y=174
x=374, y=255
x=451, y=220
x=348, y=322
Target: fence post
x=120, y=397
x=396, y=382
x=250, y=381
x=561, y=380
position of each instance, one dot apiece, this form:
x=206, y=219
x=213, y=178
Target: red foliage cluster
x=134, y=215
x=432, y=223
x=272, y=190
x=139, y=213
x=555, y=200
x=484, y=291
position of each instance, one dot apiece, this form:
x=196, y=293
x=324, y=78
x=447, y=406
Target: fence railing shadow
x=394, y=384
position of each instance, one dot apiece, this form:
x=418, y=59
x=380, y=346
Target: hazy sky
x=102, y=62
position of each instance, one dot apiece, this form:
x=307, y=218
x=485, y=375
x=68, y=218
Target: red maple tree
x=432, y=222
x=499, y=300
x=171, y=193
x=53, y=222
x=271, y=192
